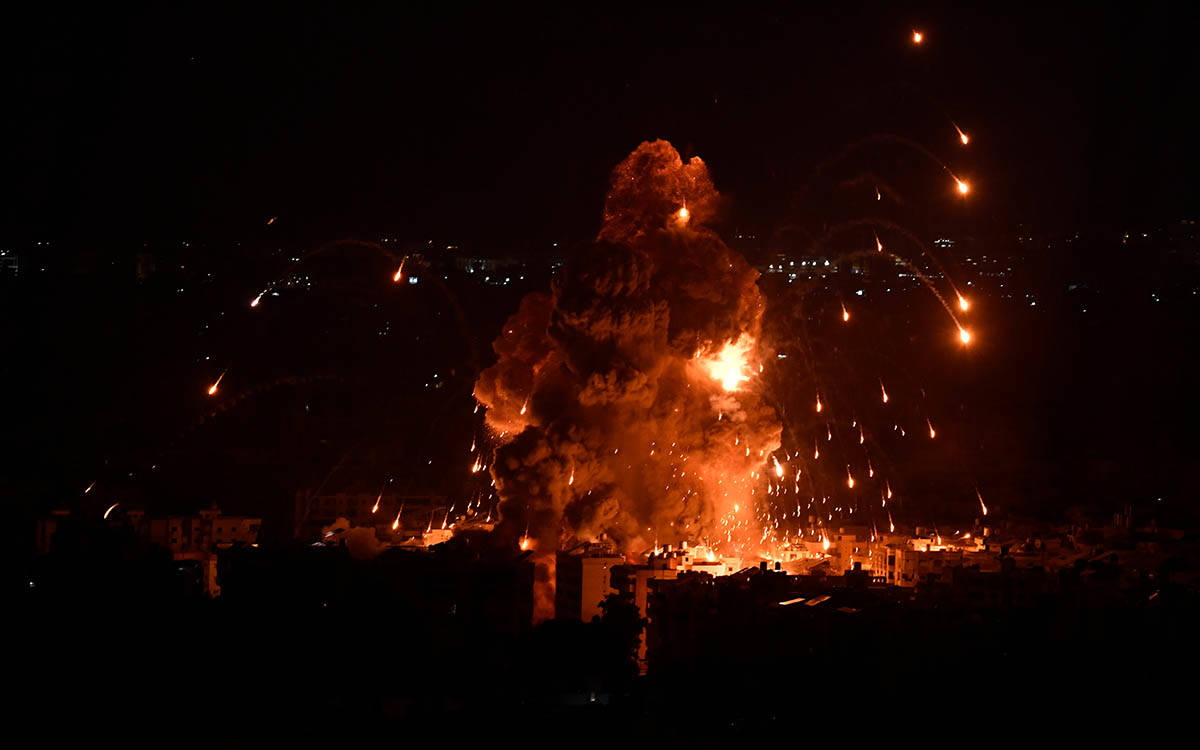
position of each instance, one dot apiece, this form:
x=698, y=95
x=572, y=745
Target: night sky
x=500, y=126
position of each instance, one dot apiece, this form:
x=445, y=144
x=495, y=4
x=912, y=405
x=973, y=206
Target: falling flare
x=981, y=504
x=963, y=304
x=878, y=244
x=889, y=490
x=254, y=302
x=849, y=478
x=961, y=135
x=932, y=433
x=110, y=510
x=375, y=508
x=845, y=314
x=399, y=271
x=524, y=407
x=963, y=187
x=89, y=488
x=917, y=37
x=778, y=468
x=396, y=523
x=683, y=215
x=818, y=403
x=212, y=389
x=964, y=335
x=883, y=391
x=571, y=479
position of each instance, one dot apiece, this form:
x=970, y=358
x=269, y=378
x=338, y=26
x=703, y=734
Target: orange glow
x=375, y=508
x=963, y=304
x=212, y=389
x=889, y=490
x=683, y=215
x=961, y=135
x=932, y=433
x=89, y=488
x=254, y=302
x=891, y=526
x=963, y=188
x=110, y=510
x=396, y=523
x=526, y=543
x=818, y=403
x=399, y=272
x=270, y=221
x=883, y=391
x=845, y=314
x=778, y=468
x=849, y=478
x=571, y=479
x=917, y=37
x=824, y=542
x=981, y=504
x=730, y=366
x=878, y=245
x=524, y=407
x=964, y=335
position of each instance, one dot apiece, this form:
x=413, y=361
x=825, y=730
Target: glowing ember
x=964, y=335
x=963, y=188
x=399, y=272
x=110, y=510
x=932, y=433
x=683, y=215
x=375, y=508
x=963, y=304
x=845, y=314
x=254, y=302
x=917, y=37
x=981, y=504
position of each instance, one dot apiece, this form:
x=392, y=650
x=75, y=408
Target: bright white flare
x=730, y=366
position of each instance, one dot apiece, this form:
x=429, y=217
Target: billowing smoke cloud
x=625, y=401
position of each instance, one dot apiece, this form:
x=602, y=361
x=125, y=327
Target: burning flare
x=212, y=389
x=730, y=366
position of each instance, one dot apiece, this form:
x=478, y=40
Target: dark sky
x=501, y=125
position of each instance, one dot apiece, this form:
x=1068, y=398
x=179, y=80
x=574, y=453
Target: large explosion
x=624, y=400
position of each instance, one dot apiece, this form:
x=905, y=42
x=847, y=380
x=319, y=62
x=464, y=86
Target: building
x=583, y=577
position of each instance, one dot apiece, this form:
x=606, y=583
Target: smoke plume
x=624, y=402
